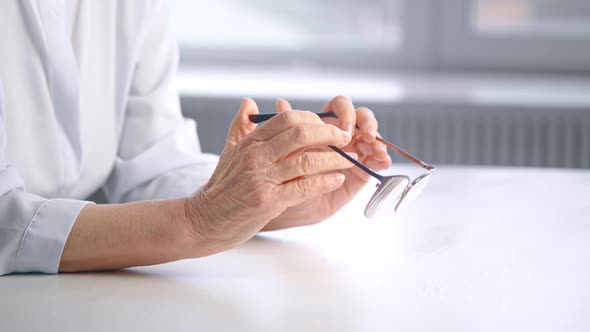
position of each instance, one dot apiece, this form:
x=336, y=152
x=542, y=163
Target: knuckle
x=339, y=162
x=292, y=118
x=288, y=117
x=311, y=117
x=307, y=163
x=304, y=186
x=301, y=134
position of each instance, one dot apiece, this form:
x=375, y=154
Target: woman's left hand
x=370, y=152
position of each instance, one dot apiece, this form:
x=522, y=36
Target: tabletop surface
x=483, y=249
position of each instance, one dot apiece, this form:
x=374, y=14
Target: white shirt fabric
x=87, y=100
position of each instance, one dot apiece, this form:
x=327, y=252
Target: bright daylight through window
x=540, y=18
x=290, y=24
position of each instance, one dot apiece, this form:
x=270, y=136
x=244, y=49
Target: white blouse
x=87, y=100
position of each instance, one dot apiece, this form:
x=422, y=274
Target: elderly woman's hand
x=265, y=171
x=364, y=144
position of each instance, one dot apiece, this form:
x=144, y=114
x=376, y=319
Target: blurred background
x=476, y=82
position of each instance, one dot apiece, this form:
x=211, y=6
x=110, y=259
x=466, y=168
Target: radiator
x=445, y=133
x=463, y=134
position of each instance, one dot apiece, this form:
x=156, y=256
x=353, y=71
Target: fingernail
x=372, y=131
x=353, y=155
x=383, y=147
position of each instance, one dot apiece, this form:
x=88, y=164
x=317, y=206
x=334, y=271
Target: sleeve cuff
x=46, y=235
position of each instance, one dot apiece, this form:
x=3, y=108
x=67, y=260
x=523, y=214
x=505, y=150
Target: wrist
x=199, y=238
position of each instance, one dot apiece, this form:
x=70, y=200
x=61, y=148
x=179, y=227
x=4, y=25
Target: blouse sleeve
x=159, y=154
x=33, y=229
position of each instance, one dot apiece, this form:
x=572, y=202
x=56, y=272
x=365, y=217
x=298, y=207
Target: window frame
x=415, y=51
x=437, y=36
x=460, y=48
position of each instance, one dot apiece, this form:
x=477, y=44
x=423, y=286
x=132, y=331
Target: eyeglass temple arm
x=257, y=118
x=405, y=154
x=357, y=163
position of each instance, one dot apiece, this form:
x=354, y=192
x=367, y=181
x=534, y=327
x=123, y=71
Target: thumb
x=241, y=125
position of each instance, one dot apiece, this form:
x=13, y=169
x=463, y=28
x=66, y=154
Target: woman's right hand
x=262, y=172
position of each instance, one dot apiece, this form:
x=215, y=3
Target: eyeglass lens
x=413, y=191
x=387, y=195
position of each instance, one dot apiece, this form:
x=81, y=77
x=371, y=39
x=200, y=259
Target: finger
x=367, y=123
x=379, y=151
x=360, y=177
x=284, y=121
x=311, y=163
x=241, y=124
x=283, y=105
x=303, y=136
x=344, y=109
x=295, y=192
x=376, y=150
x=377, y=165
x=365, y=149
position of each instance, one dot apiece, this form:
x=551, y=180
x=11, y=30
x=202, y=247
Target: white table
x=482, y=250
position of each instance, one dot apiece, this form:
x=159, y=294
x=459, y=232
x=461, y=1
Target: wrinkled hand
x=265, y=171
x=364, y=144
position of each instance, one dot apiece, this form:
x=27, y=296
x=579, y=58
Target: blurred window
x=568, y=19
x=290, y=24
x=530, y=35
x=341, y=32
x=425, y=34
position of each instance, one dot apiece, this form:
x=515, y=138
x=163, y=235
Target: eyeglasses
x=393, y=190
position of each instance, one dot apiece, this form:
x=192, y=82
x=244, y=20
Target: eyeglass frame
x=258, y=118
